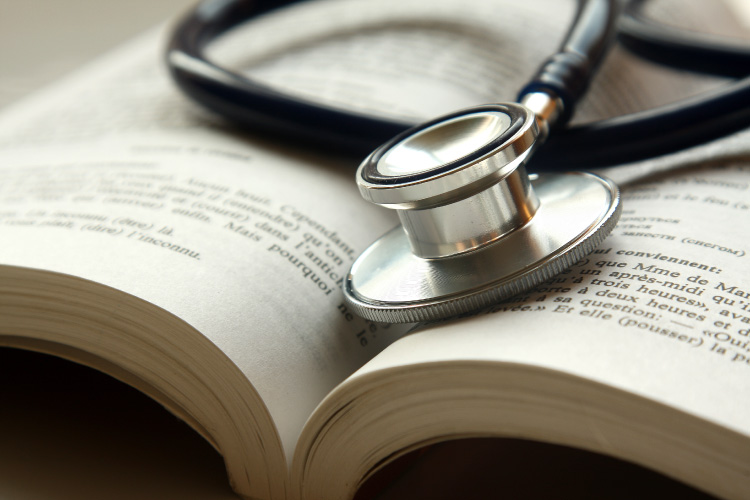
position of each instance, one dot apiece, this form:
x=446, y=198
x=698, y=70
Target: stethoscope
x=475, y=227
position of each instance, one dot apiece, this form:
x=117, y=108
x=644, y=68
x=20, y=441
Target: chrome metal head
x=457, y=183
x=443, y=143
x=474, y=229
x=450, y=158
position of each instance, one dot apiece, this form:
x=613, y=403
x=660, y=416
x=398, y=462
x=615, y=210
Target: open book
x=203, y=265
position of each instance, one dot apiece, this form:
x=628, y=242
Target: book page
x=416, y=60
x=112, y=177
x=640, y=351
x=660, y=309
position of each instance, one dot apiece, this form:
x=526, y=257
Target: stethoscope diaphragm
x=476, y=229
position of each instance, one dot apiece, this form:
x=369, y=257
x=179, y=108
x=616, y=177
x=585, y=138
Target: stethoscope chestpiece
x=475, y=228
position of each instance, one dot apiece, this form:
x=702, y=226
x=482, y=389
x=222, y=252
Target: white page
x=416, y=60
x=245, y=244
x=640, y=351
x=661, y=309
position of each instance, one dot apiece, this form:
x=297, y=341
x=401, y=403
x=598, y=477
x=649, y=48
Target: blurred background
x=40, y=40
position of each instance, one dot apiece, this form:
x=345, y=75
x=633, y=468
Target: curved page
x=640, y=351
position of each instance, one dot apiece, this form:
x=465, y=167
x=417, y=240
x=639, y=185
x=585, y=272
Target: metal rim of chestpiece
x=475, y=228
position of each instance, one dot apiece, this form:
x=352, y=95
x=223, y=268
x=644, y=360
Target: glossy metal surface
x=457, y=183
x=475, y=228
x=443, y=143
x=389, y=283
x=545, y=107
x=468, y=224
x=407, y=174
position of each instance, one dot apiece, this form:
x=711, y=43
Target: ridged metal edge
x=447, y=308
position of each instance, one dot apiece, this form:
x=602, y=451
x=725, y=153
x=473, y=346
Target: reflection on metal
x=475, y=227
